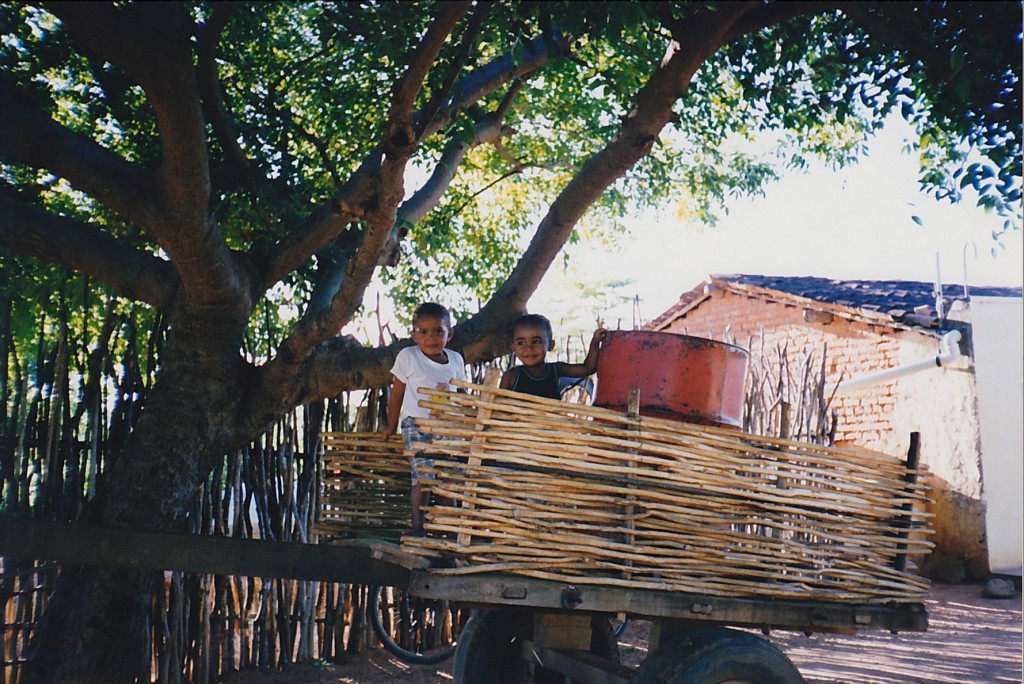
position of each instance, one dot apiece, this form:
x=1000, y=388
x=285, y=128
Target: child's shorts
x=415, y=442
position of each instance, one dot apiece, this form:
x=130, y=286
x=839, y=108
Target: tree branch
x=494, y=75
x=775, y=13
x=347, y=278
x=386, y=188
x=320, y=227
x=325, y=225
x=484, y=335
x=120, y=35
x=216, y=113
x=338, y=363
x=322, y=151
x=399, y=132
x=33, y=138
x=153, y=42
x=488, y=129
x=86, y=249
x=422, y=121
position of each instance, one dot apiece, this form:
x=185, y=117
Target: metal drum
x=679, y=377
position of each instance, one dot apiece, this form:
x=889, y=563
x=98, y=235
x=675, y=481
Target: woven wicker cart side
x=366, y=483
x=585, y=495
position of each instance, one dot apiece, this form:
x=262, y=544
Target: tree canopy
x=210, y=162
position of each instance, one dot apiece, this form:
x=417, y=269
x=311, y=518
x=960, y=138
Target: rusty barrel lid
x=679, y=377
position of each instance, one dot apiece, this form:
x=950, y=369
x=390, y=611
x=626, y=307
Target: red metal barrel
x=679, y=377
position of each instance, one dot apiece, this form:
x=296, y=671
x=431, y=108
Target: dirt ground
x=970, y=640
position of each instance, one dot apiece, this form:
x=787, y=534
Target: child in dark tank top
x=531, y=341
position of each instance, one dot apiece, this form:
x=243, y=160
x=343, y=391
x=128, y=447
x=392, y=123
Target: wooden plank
x=812, y=616
x=352, y=563
x=904, y=521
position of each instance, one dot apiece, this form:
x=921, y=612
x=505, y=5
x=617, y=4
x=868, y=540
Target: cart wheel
x=418, y=631
x=717, y=656
x=489, y=649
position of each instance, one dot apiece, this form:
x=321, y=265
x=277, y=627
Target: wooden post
x=781, y=482
x=785, y=418
x=491, y=378
x=903, y=522
x=633, y=410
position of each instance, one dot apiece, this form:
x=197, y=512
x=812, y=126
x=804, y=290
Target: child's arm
x=394, y=407
x=589, y=365
x=507, y=378
x=460, y=374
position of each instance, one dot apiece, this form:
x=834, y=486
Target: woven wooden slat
x=366, y=487
x=576, y=493
x=549, y=485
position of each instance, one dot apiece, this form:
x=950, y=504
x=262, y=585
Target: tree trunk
x=95, y=627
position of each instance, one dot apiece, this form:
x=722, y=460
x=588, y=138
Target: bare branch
x=488, y=130
x=517, y=165
x=322, y=151
x=318, y=324
x=337, y=364
x=348, y=276
x=506, y=102
x=122, y=36
x=153, y=42
x=383, y=178
x=86, y=249
x=495, y=74
x=322, y=226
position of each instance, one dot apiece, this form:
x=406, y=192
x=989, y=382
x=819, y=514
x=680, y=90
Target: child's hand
x=599, y=336
x=386, y=433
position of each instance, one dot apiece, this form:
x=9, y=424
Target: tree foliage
x=243, y=170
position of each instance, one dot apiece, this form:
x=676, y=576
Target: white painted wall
x=998, y=331
x=940, y=404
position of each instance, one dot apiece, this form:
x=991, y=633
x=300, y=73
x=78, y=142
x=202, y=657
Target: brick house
x=864, y=330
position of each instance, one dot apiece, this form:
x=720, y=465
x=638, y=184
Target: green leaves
x=306, y=89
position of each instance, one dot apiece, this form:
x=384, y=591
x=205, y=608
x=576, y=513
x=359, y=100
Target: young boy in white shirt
x=428, y=364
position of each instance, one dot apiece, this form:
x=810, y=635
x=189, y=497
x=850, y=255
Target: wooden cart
x=553, y=519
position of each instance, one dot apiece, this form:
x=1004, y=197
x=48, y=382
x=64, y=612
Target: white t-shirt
x=414, y=369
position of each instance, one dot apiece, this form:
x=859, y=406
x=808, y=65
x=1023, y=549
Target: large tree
x=206, y=159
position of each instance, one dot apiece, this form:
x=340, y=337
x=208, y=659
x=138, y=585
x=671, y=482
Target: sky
x=853, y=223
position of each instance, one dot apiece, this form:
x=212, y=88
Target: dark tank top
x=546, y=386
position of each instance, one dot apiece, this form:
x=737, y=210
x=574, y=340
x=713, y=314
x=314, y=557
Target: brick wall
x=852, y=349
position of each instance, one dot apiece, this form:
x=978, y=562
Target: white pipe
x=949, y=350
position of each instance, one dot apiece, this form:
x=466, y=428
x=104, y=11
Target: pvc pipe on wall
x=949, y=350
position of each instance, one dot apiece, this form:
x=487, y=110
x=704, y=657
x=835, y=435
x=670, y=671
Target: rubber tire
x=715, y=655
x=489, y=648
x=411, y=657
